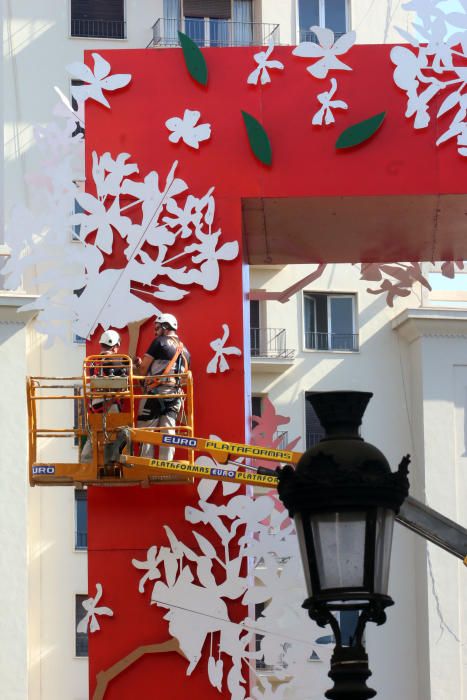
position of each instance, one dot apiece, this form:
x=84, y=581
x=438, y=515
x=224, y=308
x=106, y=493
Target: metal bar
x=200, y=471
x=434, y=527
x=217, y=448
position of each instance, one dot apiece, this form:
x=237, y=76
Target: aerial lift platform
x=116, y=443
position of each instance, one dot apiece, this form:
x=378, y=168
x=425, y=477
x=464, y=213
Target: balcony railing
x=99, y=28
x=270, y=342
x=312, y=439
x=213, y=32
x=331, y=341
x=307, y=35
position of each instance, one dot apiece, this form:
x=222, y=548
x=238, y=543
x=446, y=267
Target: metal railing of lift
x=99, y=28
x=214, y=32
x=331, y=341
x=307, y=35
x=270, y=342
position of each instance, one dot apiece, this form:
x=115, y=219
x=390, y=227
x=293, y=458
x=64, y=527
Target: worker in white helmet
x=110, y=345
x=165, y=356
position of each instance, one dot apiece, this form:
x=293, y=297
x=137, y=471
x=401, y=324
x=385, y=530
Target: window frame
x=99, y=38
x=311, y=292
x=84, y=596
x=322, y=16
x=352, y=297
x=79, y=495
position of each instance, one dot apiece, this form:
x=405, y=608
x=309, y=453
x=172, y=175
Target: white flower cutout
x=218, y=345
x=325, y=112
x=96, y=81
x=185, y=128
x=261, y=72
x=92, y=611
x=327, y=51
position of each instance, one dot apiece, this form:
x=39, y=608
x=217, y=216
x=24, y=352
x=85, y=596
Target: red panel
x=123, y=523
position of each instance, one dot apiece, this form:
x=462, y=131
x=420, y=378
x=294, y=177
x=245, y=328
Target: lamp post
x=343, y=498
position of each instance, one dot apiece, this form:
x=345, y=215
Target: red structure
x=396, y=197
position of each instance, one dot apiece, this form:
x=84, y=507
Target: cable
x=135, y=250
x=257, y=630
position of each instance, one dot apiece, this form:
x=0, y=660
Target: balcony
x=98, y=28
x=269, y=352
x=212, y=32
x=306, y=35
x=340, y=342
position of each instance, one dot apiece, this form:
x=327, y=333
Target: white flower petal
x=101, y=66
x=190, y=117
x=325, y=36
x=174, y=123
x=344, y=43
x=80, y=71
x=308, y=49
x=114, y=82
x=254, y=75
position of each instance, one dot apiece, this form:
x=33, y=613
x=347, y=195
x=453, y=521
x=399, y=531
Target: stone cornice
x=10, y=307
x=434, y=322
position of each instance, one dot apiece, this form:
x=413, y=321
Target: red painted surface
x=123, y=523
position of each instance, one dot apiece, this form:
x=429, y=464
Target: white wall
x=13, y=499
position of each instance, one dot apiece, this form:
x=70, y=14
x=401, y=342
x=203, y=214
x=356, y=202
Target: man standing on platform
x=165, y=356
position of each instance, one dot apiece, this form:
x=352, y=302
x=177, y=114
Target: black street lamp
x=344, y=498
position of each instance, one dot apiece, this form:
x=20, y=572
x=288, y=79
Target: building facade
x=331, y=334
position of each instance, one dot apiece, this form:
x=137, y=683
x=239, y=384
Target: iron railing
x=270, y=342
x=331, y=341
x=307, y=35
x=312, y=439
x=213, y=32
x=99, y=28
x=283, y=437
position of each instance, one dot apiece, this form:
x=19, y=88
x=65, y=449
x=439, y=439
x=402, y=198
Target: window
x=81, y=638
x=98, y=18
x=322, y=13
x=329, y=321
x=254, y=328
x=256, y=409
x=219, y=22
x=313, y=429
x=81, y=519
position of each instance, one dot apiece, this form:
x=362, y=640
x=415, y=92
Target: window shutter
x=97, y=9
x=217, y=9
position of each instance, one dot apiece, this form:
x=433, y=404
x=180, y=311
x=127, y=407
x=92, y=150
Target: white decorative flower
x=92, y=612
x=261, y=59
x=96, y=81
x=218, y=345
x=185, y=128
x=327, y=51
x=428, y=68
x=325, y=113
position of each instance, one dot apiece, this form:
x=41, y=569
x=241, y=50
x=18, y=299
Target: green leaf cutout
x=194, y=59
x=358, y=133
x=258, y=138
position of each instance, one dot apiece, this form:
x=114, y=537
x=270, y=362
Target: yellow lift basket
x=63, y=418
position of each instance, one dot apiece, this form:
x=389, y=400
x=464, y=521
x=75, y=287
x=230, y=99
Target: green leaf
x=358, y=133
x=194, y=59
x=258, y=138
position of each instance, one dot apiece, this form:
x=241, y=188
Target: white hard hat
x=110, y=338
x=169, y=319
